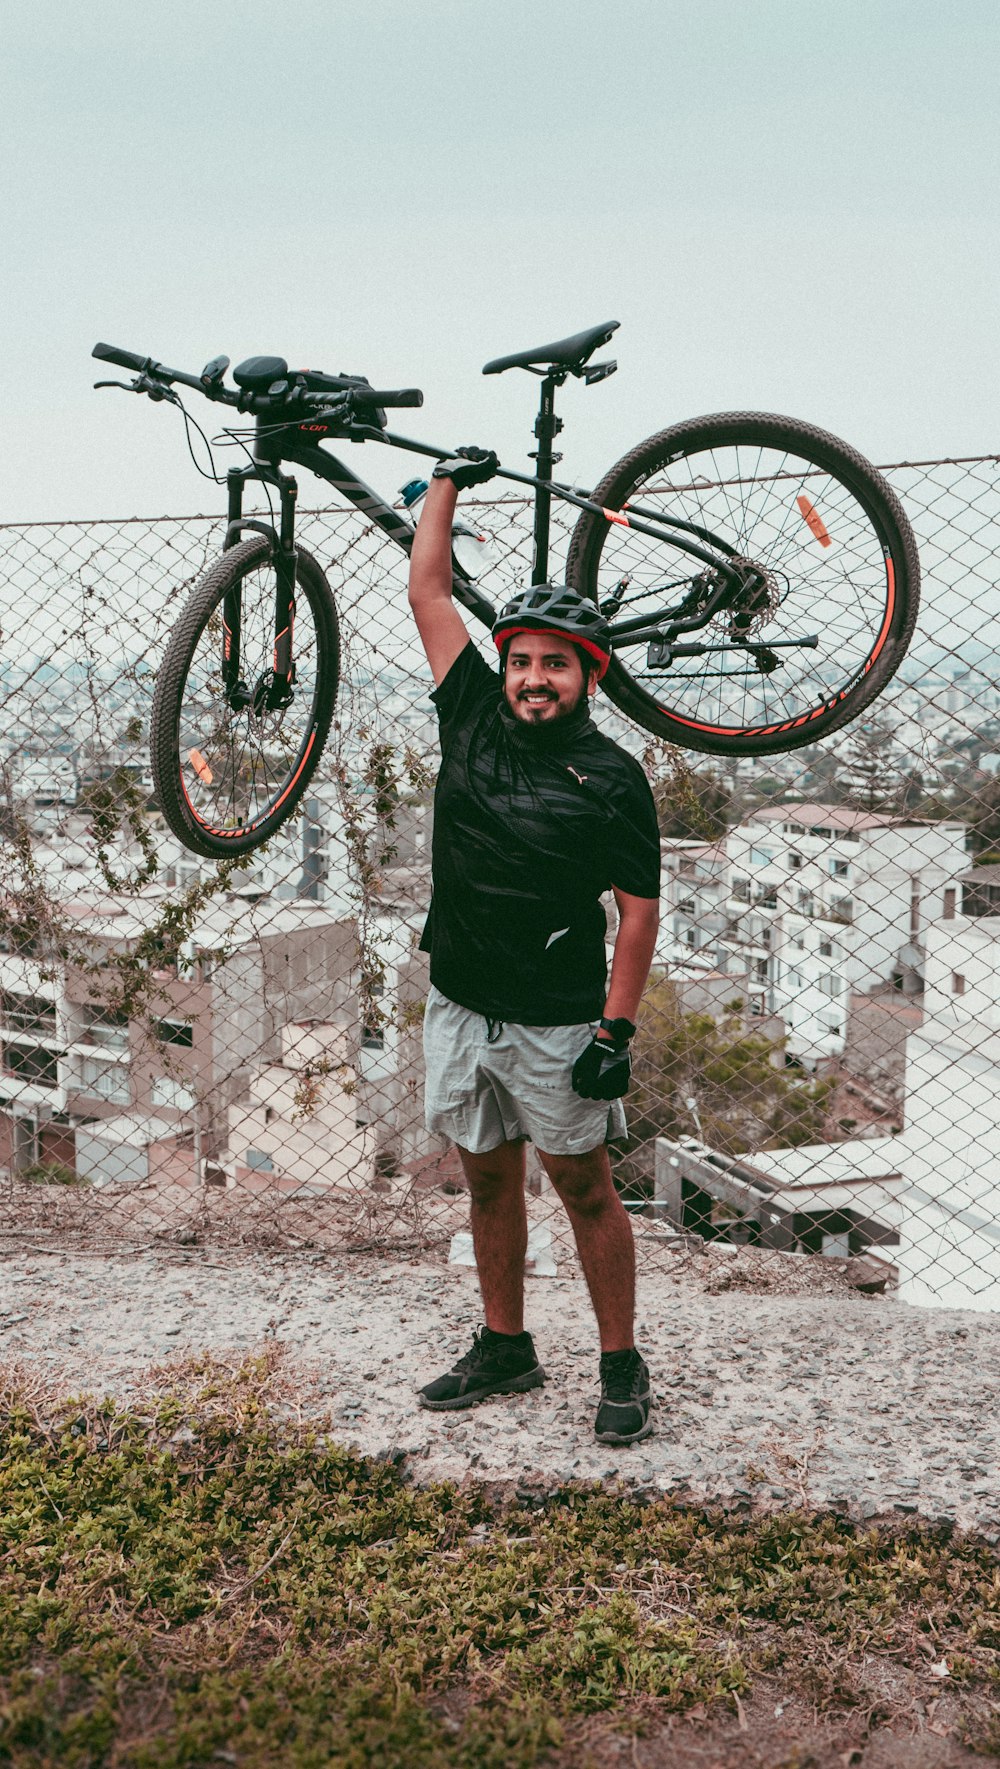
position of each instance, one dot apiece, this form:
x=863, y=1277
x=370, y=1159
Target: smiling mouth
x=538, y=698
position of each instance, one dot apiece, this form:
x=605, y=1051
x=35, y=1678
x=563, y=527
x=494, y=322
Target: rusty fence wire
x=200, y=1056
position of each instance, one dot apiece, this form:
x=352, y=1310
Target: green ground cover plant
x=208, y=1578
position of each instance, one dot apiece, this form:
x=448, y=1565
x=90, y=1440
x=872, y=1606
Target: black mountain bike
x=760, y=577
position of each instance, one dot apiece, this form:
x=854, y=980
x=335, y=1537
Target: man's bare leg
x=499, y=1231
x=604, y=1240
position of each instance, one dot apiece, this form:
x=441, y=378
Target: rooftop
x=988, y=874
x=831, y=817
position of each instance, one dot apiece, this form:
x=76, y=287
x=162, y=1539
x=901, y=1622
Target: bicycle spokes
x=793, y=612
x=239, y=737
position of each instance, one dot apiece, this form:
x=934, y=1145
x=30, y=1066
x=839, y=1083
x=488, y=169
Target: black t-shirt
x=528, y=834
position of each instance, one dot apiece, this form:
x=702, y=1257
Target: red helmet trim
x=603, y=658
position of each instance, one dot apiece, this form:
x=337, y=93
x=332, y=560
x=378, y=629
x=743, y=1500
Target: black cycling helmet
x=555, y=608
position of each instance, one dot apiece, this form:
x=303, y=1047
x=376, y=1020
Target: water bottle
x=473, y=551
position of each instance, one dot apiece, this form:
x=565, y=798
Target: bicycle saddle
x=569, y=353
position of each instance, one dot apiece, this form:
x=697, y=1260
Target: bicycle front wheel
x=228, y=770
x=826, y=556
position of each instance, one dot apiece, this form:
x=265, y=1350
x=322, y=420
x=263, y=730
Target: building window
x=914, y=915
x=829, y=985
x=259, y=1161
x=741, y=890
x=957, y=983
x=109, y=1030
x=805, y=903
x=949, y=905
x=794, y=862
x=28, y=1013
x=31, y=1063
x=107, y=1081
x=165, y=1091
x=826, y=948
x=839, y=868
x=757, y=1006
x=173, y=1032
x=842, y=909
x=760, y=970
x=761, y=857
x=980, y=899
x=687, y=905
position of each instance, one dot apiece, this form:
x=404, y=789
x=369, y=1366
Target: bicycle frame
x=300, y=445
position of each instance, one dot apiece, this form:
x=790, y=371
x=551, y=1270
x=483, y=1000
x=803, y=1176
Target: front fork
x=273, y=689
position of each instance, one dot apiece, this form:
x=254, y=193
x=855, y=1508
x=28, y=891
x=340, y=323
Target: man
x=536, y=815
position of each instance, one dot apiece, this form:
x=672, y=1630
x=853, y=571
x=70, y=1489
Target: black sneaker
x=623, y=1415
x=498, y=1363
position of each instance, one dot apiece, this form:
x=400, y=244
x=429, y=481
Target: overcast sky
x=789, y=204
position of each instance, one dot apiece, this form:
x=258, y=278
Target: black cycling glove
x=604, y=1069
x=467, y=466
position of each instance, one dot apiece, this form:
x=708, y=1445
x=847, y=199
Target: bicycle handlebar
x=377, y=396
x=346, y=399
x=124, y=359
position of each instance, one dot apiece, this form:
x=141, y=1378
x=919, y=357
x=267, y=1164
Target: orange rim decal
x=814, y=521
x=200, y=767
x=804, y=718
x=248, y=828
x=616, y=516
x=890, y=603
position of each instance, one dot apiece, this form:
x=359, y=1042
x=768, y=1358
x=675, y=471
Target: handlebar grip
x=125, y=359
x=377, y=396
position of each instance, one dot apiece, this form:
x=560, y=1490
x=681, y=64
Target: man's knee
x=583, y=1181
x=491, y=1175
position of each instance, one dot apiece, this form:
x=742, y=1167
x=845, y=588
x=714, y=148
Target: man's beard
x=537, y=714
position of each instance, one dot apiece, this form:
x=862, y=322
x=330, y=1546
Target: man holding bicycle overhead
x=536, y=816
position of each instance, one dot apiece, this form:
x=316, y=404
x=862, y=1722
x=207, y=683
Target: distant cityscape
x=863, y=942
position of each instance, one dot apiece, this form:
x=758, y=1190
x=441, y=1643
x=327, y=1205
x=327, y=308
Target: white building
x=294, y=1130
x=822, y=902
x=927, y=1199
x=693, y=896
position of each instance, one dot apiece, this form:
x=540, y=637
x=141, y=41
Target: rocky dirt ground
x=776, y=1382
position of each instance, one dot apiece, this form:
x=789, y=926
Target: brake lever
x=142, y=384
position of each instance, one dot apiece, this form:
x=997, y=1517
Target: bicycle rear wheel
x=225, y=778
x=826, y=550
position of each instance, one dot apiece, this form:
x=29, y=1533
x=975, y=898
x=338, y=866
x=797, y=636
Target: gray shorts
x=516, y=1088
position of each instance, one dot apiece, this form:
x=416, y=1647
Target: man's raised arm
x=442, y=630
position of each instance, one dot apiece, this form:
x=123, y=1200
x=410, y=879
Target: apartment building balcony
x=29, y=1061
x=107, y=1038
x=36, y=1022
x=96, y=1073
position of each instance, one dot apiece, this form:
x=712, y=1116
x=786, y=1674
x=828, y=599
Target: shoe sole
x=516, y=1385
x=623, y=1438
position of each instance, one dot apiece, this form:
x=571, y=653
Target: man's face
x=544, y=678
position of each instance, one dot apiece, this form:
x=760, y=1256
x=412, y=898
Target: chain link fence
x=235, y=1054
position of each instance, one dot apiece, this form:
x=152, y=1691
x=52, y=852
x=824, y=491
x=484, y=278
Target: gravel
x=825, y=1397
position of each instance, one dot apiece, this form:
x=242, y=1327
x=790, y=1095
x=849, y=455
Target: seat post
x=547, y=428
